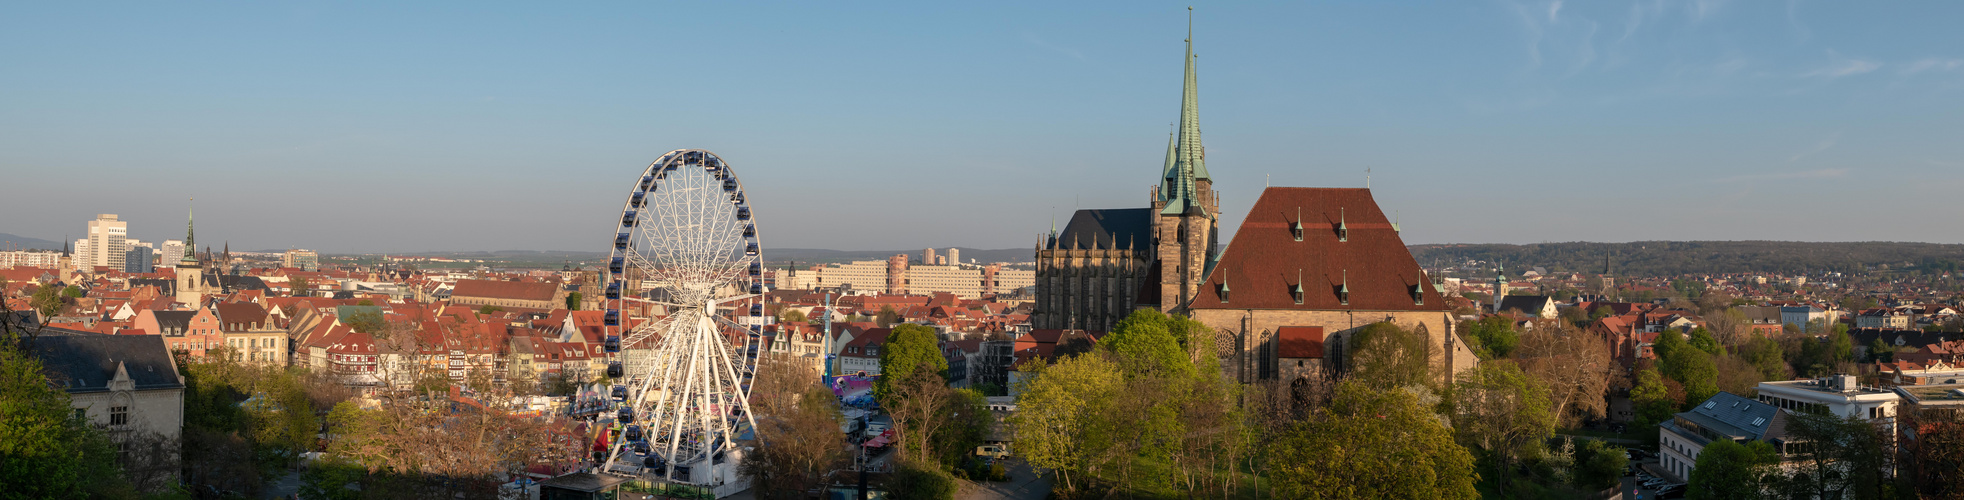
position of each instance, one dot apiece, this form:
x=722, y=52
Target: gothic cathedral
x=1108, y=262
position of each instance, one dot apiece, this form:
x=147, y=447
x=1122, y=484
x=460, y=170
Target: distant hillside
x=12, y=241
x=1671, y=258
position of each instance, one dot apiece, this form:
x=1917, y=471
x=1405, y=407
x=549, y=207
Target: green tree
x=488, y=309
x=73, y=292
x=1703, y=340
x=1386, y=356
x=1841, y=347
x=46, y=300
x=47, y=449
x=1652, y=399
x=1697, y=371
x=1370, y=443
x=1504, y=413
x=1668, y=342
x=1145, y=339
x=1880, y=351
x=1599, y=465
x=298, y=286
x=573, y=301
x=365, y=321
x=793, y=316
x=1492, y=336
x=1061, y=420
x=1766, y=355
x=887, y=317
x=923, y=480
x=908, y=348
x=1727, y=470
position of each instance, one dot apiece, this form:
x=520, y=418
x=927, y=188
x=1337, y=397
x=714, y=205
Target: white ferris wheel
x=687, y=247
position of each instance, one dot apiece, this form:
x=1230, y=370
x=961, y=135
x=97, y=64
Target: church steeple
x=1186, y=159
x=190, y=257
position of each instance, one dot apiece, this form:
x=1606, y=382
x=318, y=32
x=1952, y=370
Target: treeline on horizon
x=1673, y=258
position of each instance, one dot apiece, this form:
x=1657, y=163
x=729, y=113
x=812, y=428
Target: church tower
x=190, y=273
x=1499, y=286
x=1185, y=230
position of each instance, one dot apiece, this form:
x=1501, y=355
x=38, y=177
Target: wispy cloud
x=1701, y=9
x=1933, y=64
x=1825, y=173
x=1038, y=41
x=1838, y=67
x=1817, y=147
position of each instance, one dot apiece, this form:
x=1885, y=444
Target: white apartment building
x=867, y=275
x=172, y=252
x=30, y=258
x=1840, y=395
x=968, y=282
x=106, y=243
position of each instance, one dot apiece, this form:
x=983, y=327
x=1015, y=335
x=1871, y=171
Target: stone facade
x=1246, y=343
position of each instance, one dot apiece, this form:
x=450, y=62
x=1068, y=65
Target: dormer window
x=1296, y=293
x=1296, y=226
x=1343, y=229
x=1343, y=294
x=1222, y=291
x=1418, y=294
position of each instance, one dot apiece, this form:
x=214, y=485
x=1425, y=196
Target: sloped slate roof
x=85, y=363
x=1734, y=415
x=1531, y=304
x=1264, y=261
x=1116, y=228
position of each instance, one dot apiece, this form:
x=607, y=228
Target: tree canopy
x=1371, y=443
x=1727, y=470
x=1386, y=356
x=908, y=348
x=47, y=449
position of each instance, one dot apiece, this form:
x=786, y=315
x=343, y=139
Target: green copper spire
x=1185, y=157
x=190, y=242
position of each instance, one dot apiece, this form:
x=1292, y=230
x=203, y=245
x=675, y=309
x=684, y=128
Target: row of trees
x=1147, y=413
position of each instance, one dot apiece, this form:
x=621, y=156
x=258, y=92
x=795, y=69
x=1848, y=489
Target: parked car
x=993, y=451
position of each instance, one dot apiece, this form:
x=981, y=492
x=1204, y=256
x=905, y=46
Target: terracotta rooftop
x=1368, y=268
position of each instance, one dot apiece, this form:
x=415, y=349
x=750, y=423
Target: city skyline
x=882, y=127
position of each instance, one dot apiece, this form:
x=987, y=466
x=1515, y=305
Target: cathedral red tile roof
x=510, y=290
x=1264, y=263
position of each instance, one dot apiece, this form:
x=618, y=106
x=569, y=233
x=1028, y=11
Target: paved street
x=1023, y=484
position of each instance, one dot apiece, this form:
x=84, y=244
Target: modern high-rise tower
x=106, y=244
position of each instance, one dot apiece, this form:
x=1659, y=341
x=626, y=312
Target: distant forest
x=1672, y=258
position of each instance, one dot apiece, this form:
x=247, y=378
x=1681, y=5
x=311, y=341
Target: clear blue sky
x=379, y=126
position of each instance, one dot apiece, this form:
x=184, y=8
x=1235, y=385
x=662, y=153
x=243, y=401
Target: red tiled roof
x=1299, y=342
x=509, y=290
x=1264, y=262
